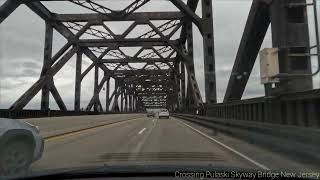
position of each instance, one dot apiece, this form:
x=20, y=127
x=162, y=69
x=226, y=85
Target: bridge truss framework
x=167, y=78
x=167, y=60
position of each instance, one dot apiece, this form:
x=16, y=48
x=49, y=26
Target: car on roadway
x=164, y=113
x=20, y=145
x=150, y=114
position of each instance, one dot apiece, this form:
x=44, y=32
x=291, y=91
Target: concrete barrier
x=298, y=143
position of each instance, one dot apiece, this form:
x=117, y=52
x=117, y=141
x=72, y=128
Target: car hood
x=165, y=171
x=128, y=171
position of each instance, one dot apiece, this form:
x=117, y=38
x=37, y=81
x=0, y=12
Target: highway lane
x=139, y=141
x=50, y=126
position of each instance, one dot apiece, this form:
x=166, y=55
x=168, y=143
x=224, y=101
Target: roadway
x=140, y=140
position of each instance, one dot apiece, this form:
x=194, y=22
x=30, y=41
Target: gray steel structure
x=163, y=55
x=167, y=78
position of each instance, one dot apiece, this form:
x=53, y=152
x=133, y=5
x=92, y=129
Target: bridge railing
x=38, y=113
x=5, y=113
x=300, y=109
x=298, y=143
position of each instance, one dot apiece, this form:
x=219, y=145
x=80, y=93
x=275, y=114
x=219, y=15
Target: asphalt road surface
x=139, y=141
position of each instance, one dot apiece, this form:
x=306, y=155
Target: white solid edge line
x=140, y=132
x=229, y=148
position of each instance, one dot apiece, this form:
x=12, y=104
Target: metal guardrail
x=5, y=113
x=298, y=143
x=299, y=109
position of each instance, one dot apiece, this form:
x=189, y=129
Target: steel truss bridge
x=166, y=78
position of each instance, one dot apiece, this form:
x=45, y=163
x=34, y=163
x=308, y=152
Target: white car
x=20, y=145
x=164, y=113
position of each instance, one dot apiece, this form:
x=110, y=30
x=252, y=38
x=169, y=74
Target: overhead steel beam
x=151, y=97
x=189, y=12
x=137, y=60
x=139, y=72
x=124, y=43
x=153, y=92
x=133, y=17
x=252, y=39
x=148, y=80
x=7, y=8
x=154, y=106
x=103, y=10
x=150, y=93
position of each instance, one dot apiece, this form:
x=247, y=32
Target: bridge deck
x=137, y=139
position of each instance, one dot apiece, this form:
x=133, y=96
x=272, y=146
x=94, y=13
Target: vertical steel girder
x=133, y=103
x=183, y=85
x=194, y=99
x=117, y=90
x=126, y=100
x=178, y=84
x=121, y=100
x=47, y=62
x=107, y=94
x=193, y=4
x=78, y=80
x=95, y=88
x=290, y=33
x=190, y=68
x=130, y=103
x=208, y=52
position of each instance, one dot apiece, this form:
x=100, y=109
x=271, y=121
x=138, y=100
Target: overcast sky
x=22, y=42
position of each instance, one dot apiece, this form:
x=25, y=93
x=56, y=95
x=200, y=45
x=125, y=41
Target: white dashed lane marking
x=140, y=132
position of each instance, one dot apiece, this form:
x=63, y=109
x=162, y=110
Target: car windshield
x=229, y=84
